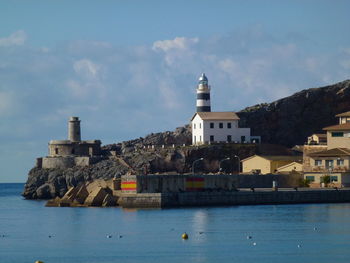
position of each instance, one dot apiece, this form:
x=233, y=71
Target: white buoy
x=315, y=228
x=249, y=237
x=109, y=236
x=299, y=246
x=254, y=244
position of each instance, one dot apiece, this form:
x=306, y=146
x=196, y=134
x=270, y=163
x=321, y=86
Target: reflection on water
x=285, y=233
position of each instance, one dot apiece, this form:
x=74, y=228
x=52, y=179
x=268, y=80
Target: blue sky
x=128, y=68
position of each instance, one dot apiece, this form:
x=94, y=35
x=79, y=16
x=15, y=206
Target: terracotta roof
x=344, y=114
x=217, y=116
x=332, y=153
x=338, y=127
x=291, y=158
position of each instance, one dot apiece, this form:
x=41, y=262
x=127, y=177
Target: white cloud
x=178, y=43
x=86, y=68
x=87, y=82
x=177, y=50
x=15, y=39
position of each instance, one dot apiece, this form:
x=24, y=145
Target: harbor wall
x=208, y=182
x=159, y=200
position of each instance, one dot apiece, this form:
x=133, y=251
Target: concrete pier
x=240, y=197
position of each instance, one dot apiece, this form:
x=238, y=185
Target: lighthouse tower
x=203, y=94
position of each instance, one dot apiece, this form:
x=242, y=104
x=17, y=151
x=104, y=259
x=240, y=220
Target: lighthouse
x=203, y=94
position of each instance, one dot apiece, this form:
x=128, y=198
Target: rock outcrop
x=289, y=121
x=49, y=183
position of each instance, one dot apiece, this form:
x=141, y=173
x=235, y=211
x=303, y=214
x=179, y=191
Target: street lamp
x=226, y=159
x=198, y=160
x=239, y=163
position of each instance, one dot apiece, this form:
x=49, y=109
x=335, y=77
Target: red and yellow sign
x=128, y=186
x=194, y=184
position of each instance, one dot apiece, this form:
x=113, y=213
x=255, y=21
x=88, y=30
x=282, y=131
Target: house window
x=337, y=134
x=229, y=125
x=340, y=162
x=334, y=178
x=212, y=125
x=211, y=138
x=329, y=164
x=194, y=125
x=72, y=151
x=318, y=162
x=310, y=178
x=56, y=150
x=221, y=125
x=200, y=125
x=200, y=138
x=229, y=138
x=242, y=138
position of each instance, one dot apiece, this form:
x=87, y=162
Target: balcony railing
x=335, y=169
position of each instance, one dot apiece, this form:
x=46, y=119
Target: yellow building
x=269, y=164
x=331, y=165
x=338, y=136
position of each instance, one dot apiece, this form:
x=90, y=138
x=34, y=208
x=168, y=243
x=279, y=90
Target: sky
x=129, y=68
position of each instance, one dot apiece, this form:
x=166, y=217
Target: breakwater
x=170, y=183
x=238, y=197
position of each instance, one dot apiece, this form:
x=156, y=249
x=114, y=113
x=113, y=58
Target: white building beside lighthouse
x=209, y=127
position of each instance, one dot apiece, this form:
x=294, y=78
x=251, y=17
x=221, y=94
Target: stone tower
x=203, y=94
x=74, y=129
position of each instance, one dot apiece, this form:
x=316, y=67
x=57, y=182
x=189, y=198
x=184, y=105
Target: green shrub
x=304, y=182
x=326, y=179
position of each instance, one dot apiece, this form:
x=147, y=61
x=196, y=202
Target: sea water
x=29, y=231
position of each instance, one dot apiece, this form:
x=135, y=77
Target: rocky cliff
x=289, y=121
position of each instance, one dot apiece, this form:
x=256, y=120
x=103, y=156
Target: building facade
x=317, y=139
x=260, y=164
x=217, y=127
x=330, y=164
